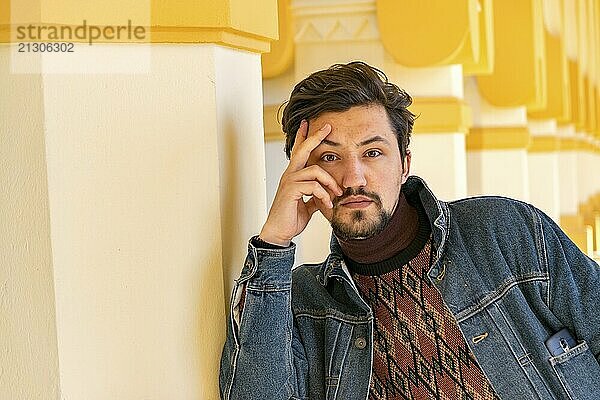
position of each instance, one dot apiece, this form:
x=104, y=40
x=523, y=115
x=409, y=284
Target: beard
x=358, y=224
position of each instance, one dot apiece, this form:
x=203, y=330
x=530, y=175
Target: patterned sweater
x=419, y=351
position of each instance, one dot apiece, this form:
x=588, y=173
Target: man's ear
x=406, y=166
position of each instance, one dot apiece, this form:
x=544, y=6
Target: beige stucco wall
x=127, y=203
x=28, y=345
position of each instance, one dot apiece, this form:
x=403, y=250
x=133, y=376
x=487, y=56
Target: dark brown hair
x=340, y=87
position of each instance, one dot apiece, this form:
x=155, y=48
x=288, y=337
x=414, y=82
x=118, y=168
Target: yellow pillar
x=153, y=185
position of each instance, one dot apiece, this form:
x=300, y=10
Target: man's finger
x=301, y=135
x=301, y=154
x=314, y=172
x=313, y=188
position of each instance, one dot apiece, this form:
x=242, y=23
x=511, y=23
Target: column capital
x=452, y=34
x=234, y=23
x=334, y=21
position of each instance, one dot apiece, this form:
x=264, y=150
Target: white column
x=569, y=178
x=544, y=181
x=154, y=184
x=495, y=169
x=437, y=156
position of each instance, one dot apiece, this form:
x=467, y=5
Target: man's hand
x=289, y=213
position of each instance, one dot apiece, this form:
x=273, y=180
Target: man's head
x=341, y=87
x=366, y=152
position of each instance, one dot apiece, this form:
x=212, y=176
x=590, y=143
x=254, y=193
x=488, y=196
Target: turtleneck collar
x=402, y=239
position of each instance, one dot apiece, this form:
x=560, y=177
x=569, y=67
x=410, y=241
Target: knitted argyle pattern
x=419, y=351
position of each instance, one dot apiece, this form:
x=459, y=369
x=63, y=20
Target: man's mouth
x=356, y=202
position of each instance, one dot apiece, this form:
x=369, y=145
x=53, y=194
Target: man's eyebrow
x=363, y=143
x=373, y=140
x=330, y=143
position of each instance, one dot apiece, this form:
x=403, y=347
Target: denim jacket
x=504, y=268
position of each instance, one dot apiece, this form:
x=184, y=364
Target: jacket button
x=360, y=343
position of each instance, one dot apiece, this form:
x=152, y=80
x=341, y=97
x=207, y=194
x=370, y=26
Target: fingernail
x=326, y=126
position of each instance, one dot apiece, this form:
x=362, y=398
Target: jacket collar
x=437, y=213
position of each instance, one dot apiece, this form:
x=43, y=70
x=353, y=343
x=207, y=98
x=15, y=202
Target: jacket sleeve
x=574, y=291
x=263, y=356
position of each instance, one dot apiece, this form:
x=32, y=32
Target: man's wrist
x=261, y=244
x=266, y=238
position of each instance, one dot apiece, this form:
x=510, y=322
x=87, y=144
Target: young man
x=419, y=298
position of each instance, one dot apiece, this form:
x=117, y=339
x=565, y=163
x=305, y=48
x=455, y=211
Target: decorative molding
x=226, y=37
x=498, y=138
x=341, y=21
x=544, y=144
x=250, y=26
x=173, y=34
x=441, y=115
x=570, y=144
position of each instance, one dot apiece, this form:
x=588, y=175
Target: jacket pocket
x=578, y=372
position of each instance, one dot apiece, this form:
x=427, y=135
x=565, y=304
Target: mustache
x=360, y=191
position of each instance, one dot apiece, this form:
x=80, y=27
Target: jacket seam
x=350, y=321
x=558, y=376
x=267, y=289
x=337, y=335
x=262, y=250
x=234, y=370
x=236, y=343
x=524, y=350
x=468, y=199
x=343, y=363
x=498, y=294
x=290, y=356
x=372, y=328
x=540, y=244
x=510, y=348
x=544, y=259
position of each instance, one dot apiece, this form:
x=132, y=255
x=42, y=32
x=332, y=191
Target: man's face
x=361, y=153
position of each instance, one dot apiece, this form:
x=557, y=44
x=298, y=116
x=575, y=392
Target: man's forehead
x=354, y=123
x=356, y=114
x=367, y=140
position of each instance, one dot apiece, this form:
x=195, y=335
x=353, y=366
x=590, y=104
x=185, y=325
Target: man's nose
x=354, y=174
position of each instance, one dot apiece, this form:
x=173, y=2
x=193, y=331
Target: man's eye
x=373, y=153
x=328, y=157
